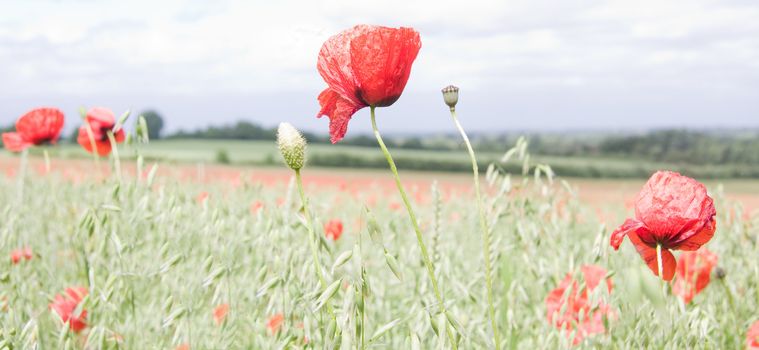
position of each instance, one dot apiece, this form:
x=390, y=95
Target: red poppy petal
x=103, y=147
x=381, y=59
x=594, y=275
x=702, y=237
x=41, y=125
x=649, y=256
x=630, y=225
x=14, y=142
x=339, y=111
x=752, y=336
x=103, y=116
x=119, y=136
x=674, y=207
x=334, y=64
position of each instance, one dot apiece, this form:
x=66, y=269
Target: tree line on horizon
x=665, y=145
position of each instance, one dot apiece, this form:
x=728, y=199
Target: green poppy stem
x=658, y=261
x=22, y=174
x=485, y=230
x=94, y=146
x=414, y=223
x=47, y=160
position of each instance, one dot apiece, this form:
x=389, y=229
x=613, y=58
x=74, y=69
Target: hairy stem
x=47, y=160
x=485, y=230
x=658, y=261
x=94, y=146
x=22, y=174
x=312, y=239
x=414, y=223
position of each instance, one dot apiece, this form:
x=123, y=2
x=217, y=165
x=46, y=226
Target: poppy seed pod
x=720, y=272
x=292, y=145
x=451, y=95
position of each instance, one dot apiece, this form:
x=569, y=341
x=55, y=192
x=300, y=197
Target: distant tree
x=74, y=134
x=154, y=122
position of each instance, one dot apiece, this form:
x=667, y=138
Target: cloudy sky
x=521, y=65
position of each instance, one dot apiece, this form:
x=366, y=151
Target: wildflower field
x=161, y=257
x=118, y=252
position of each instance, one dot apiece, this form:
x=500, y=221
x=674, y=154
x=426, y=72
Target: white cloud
x=200, y=48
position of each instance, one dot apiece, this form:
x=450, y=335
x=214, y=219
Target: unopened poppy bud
x=451, y=95
x=292, y=145
x=720, y=272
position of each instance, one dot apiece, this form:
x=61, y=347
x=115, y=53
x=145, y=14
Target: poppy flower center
x=104, y=133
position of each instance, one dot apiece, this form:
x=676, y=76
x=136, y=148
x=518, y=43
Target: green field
x=157, y=259
x=265, y=153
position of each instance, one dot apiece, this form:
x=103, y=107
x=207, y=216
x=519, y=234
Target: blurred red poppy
x=673, y=211
x=333, y=229
x=256, y=207
x=202, y=197
x=275, y=323
x=23, y=253
x=100, y=121
x=37, y=127
x=694, y=271
x=752, y=337
x=573, y=310
x=364, y=66
x=220, y=313
x=65, y=306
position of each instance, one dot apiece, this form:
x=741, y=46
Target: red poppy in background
x=65, y=305
x=37, y=127
x=694, y=271
x=220, y=313
x=364, y=66
x=752, y=337
x=673, y=211
x=202, y=197
x=565, y=309
x=256, y=207
x=18, y=254
x=275, y=323
x=101, y=121
x=333, y=229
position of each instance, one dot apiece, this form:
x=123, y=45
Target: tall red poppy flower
x=101, y=121
x=673, y=211
x=752, y=337
x=573, y=310
x=364, y=66
x=333, y=229
x=23, y=253
x=65, y=306
x=37, y=127
x=693, y=271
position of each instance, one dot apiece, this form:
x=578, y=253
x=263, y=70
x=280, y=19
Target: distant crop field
x=355, y=157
